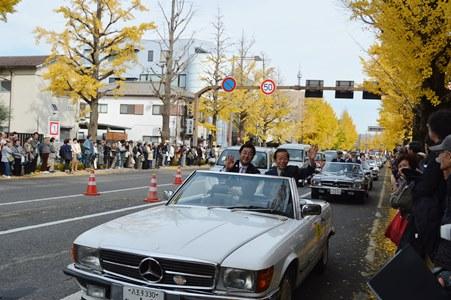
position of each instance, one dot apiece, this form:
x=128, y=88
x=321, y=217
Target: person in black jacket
x=429, y=192
x=66, y=155
x=243, y=165
x=281, y=157
x=339, y=157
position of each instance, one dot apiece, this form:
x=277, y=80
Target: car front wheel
x=286, y=288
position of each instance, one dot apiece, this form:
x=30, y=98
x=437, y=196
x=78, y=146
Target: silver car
x=220, y=236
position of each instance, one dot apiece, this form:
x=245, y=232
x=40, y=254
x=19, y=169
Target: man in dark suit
x=339, y=157
x=243, y=165
x=281, y=157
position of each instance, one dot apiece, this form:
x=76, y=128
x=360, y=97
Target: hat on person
x=444, y=146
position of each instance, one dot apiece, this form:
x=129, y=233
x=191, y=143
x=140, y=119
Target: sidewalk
x=40, y=175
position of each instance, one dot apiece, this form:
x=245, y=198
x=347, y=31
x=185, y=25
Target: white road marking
x=372, y=243
x=78, y=195
x=304, y=195
x=25, y=228
x=75, y=296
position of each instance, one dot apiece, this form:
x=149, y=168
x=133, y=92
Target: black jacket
x=442, y=256
x=338, y=160
x=293, y=171
x=251, y=169
x=428, y=208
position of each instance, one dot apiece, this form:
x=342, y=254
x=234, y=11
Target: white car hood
x=188, y=232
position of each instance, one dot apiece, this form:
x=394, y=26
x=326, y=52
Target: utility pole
x=299, y=76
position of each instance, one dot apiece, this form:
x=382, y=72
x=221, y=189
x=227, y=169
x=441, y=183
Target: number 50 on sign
x=268, y=87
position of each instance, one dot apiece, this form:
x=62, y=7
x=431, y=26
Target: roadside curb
x=86, y=172
x=380, y=249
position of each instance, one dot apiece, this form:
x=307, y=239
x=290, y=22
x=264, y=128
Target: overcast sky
x=316, y=36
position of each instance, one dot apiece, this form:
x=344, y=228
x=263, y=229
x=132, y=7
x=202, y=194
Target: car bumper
x=114, y=288
x=329, y=190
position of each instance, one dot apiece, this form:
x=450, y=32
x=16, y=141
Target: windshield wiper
x=256, y=209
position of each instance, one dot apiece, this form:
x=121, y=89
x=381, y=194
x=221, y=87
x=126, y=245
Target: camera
x=445, y=232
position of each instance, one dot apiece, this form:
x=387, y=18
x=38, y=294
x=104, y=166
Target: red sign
x=54, y=128
x=268, y=87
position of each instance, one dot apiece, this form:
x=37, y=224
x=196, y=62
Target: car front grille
x=197, y=275
x=337, y=184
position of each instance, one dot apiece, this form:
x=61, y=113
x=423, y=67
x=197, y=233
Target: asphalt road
x=39, y=219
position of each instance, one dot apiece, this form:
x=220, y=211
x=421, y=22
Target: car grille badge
x=179, y=280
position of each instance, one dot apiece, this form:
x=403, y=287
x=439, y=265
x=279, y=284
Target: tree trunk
x=424, y=109
x=93, y=119
x=165, y=132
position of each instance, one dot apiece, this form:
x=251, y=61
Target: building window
x=103, y=108
x=157, y=109
x=181, y=83
x=150, y=55
x=5, y=86
x=132, y=109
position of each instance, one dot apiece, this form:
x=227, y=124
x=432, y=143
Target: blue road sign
x=228, y=84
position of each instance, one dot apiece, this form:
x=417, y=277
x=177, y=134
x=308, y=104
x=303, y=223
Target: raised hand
x=229, y=162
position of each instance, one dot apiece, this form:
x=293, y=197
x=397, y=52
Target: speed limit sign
x=268, y=87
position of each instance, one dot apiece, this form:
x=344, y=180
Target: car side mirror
x=167, y=195
x=311, y=210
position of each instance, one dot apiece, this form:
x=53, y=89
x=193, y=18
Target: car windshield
x=296, y=154
x=341, y=168
x=371, y=163
x=234, y=191
x=330, y=155
x=260, y=159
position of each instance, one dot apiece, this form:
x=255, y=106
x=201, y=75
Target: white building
x=22, y=91
x=138, y=111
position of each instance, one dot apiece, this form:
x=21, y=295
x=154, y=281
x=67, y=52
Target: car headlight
x=86, y=257
x=245, y=280
x=316, y=182
x=357, y=185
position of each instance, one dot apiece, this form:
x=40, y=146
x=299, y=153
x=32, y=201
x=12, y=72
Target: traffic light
x=369, y=95
x=344, y=89
x=190, y=109
x=314, y=88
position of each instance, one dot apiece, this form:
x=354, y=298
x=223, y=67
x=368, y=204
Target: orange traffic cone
x=92, y=187
x=152, y=195
x=178, y=177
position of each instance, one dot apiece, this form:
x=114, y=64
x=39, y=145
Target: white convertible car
x=219, y=236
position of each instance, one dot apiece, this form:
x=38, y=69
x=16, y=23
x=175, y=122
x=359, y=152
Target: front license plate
x=335, y=191
x=133, y=293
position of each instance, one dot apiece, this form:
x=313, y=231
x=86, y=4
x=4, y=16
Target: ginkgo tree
x=319, y=125
x=7, y=7
x=94, y=45
x=346, y=135
x=410, y=59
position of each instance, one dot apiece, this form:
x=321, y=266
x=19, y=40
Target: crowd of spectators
x=45, y=155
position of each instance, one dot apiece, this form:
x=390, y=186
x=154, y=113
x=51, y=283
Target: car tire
x=321, y=266
x=286, y=288
x=314, y=194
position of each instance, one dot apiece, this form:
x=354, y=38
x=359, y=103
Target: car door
x=307, y=238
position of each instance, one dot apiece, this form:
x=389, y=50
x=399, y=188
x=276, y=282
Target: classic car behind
x=220, y=236
x=340, y=179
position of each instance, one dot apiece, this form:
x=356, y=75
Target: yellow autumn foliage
x=7, y=7
x=410, y=61
x=92, y=47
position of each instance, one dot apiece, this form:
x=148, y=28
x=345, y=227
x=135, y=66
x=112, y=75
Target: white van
x=297, y=152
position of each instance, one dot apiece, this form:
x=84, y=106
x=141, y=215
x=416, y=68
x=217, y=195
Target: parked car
x=220, y=236
x=340, y=179
x=297, y=152
x=263, y=158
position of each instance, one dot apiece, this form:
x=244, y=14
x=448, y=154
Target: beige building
x=22, y=91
